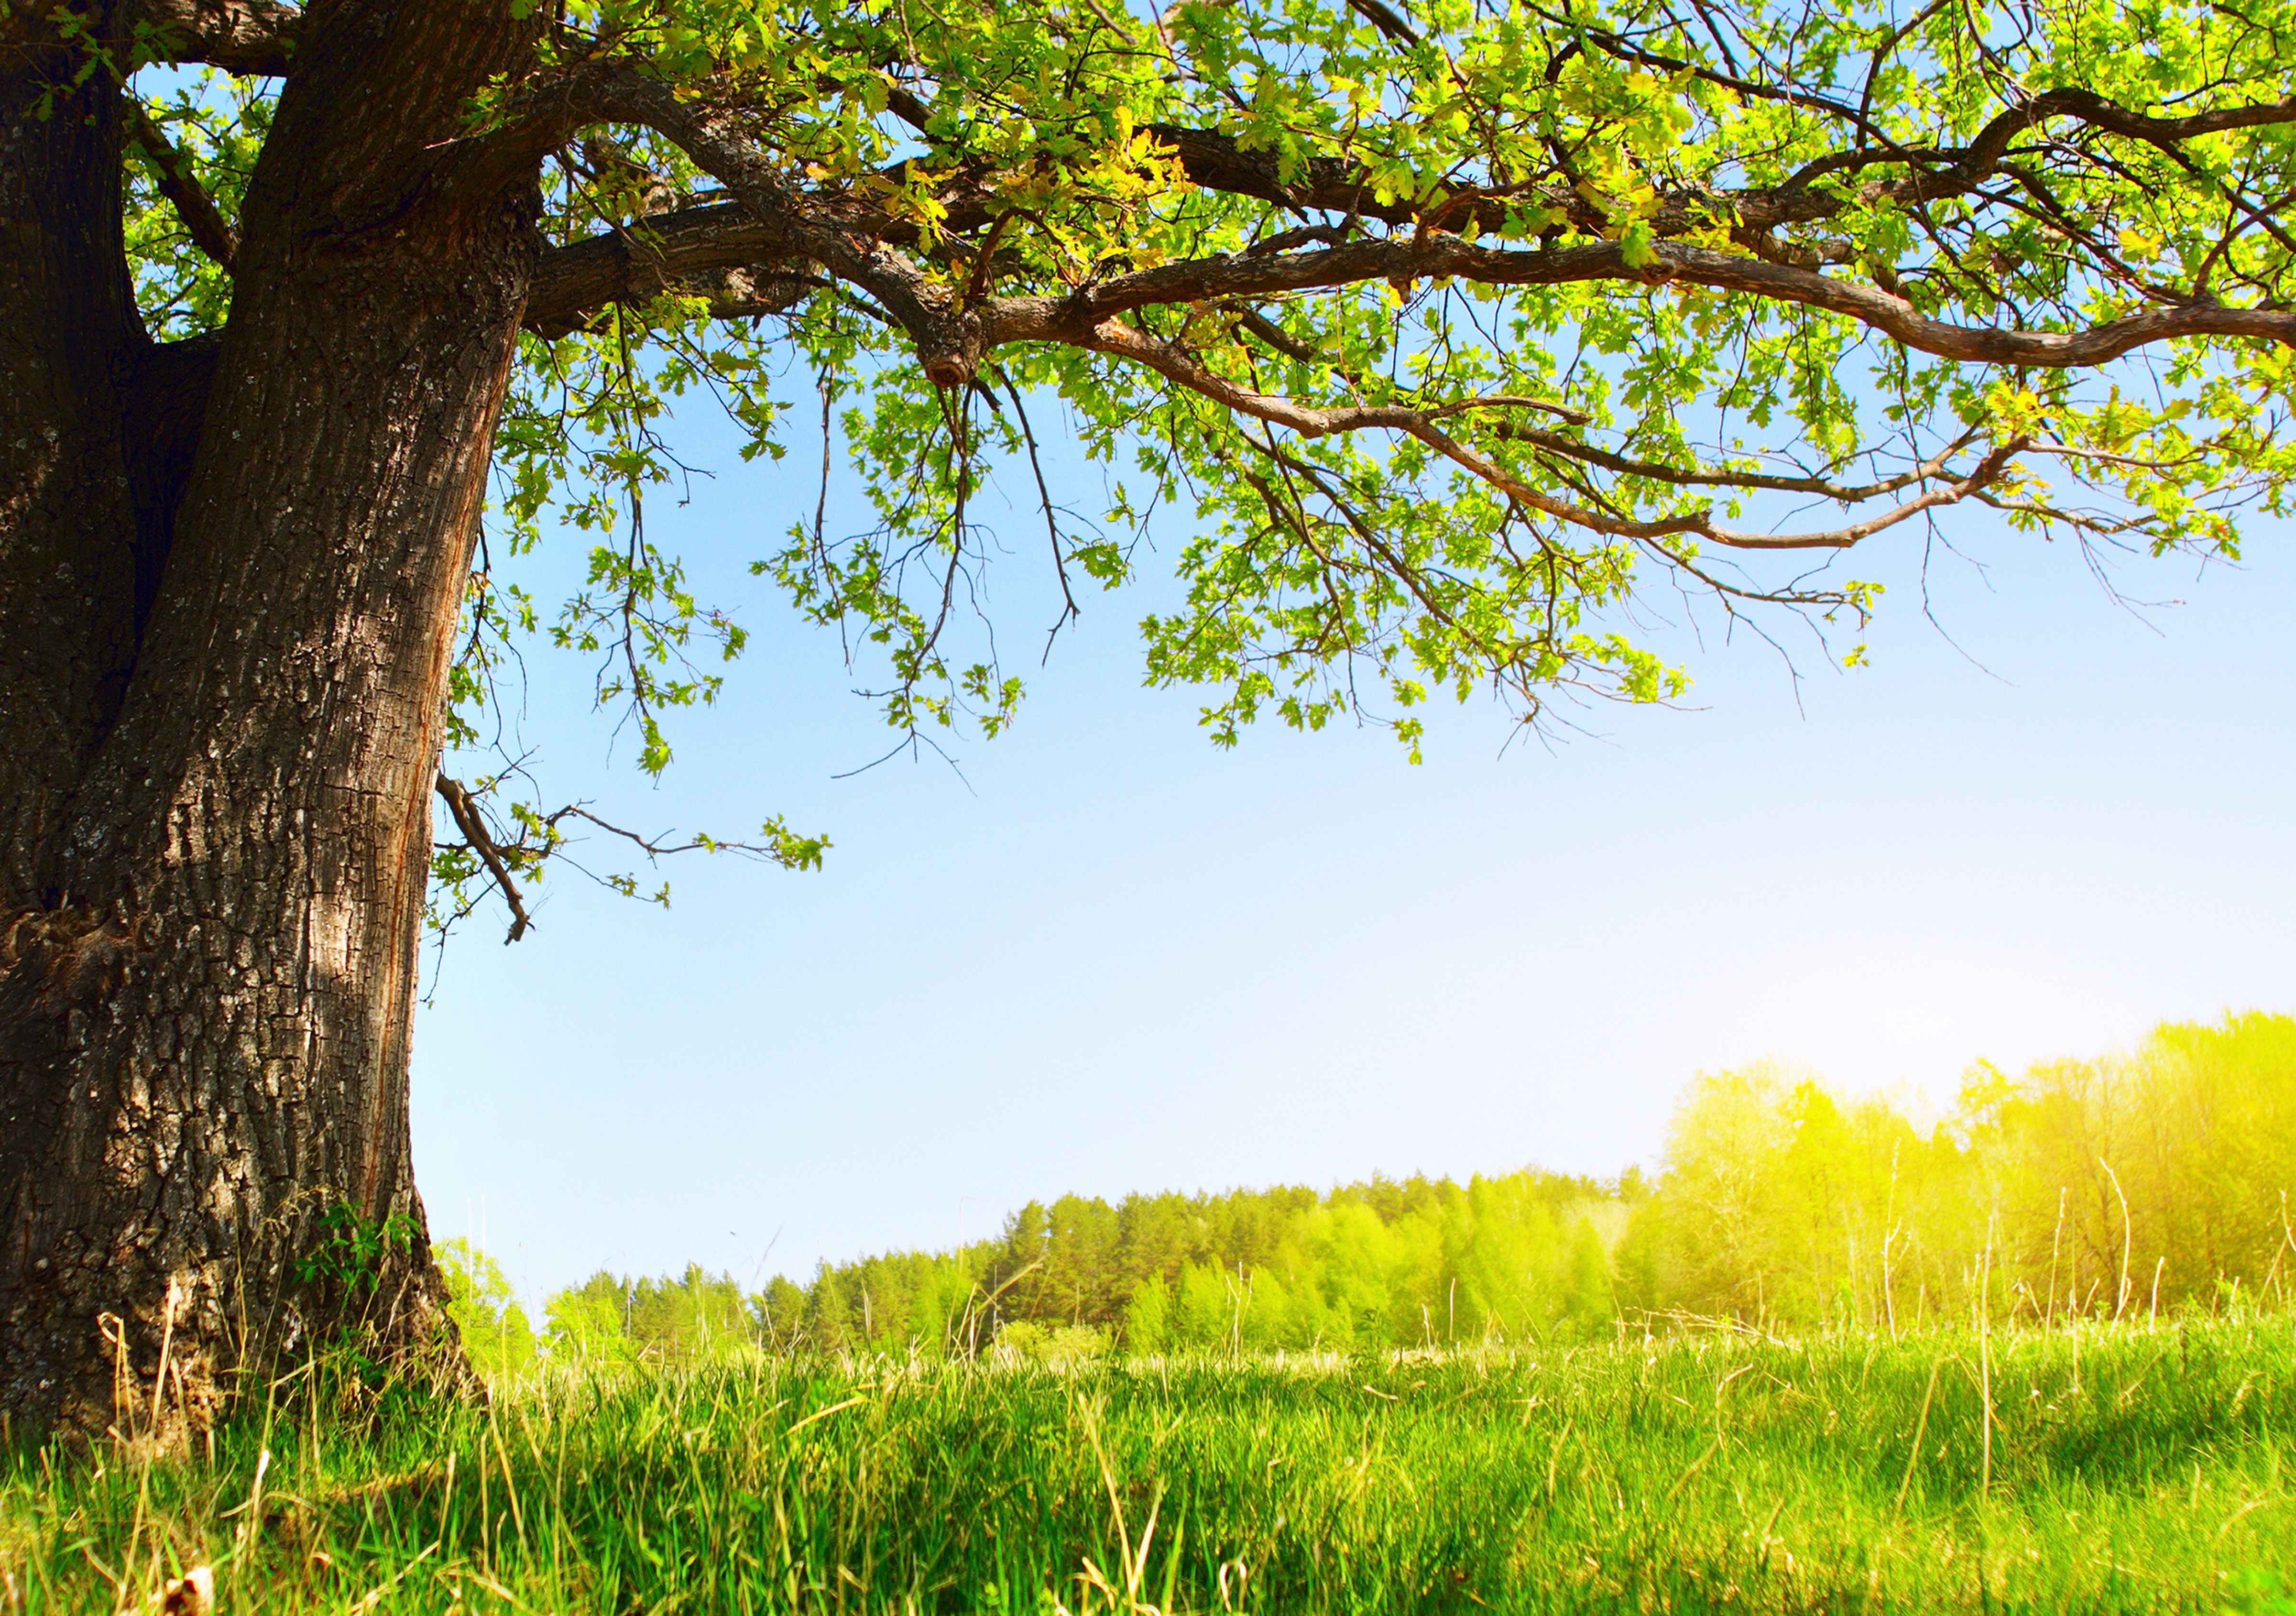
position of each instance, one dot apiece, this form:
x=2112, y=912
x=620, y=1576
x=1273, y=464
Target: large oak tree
x=1445, y=325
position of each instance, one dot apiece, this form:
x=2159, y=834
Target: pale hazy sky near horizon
x=1110, y=957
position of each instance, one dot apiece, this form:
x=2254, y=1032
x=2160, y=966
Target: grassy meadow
x=2145, y=1467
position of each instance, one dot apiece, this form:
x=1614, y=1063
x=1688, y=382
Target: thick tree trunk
x=229, y=579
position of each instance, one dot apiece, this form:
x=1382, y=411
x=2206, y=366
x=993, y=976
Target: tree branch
x=2094, y=110
x=1176, y=365
x=473, y=826
x=666, y=250
x=255, y=38
x=795, y=238
x=1847, y=493
x=1987, y=472
x=855, y=239
x=1220, y=162
x=210, y=231
x=1078, y=318
x=1385, y=20
x=948, y=339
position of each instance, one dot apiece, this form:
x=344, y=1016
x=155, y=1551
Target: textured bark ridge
x=229, y=577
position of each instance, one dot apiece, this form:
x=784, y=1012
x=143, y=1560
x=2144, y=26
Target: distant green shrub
x=495, y=1334
x=1148, y=1316
x=1023, y=1343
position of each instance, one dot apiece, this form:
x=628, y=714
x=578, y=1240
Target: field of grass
x=2122, y=1470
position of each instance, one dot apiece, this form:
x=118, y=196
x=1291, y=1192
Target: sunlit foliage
x=2104, y=1189
x=1439, y=344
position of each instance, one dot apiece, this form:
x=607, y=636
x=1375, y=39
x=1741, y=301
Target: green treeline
x=2093, y=1189
x=1419, y=1262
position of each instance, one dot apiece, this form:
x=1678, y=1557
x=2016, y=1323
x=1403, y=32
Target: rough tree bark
x=229, y=579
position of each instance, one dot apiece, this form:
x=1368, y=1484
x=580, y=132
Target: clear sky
x=1110, y=957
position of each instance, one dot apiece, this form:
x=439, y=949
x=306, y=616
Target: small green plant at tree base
x=351, y=1248
x=348, y=1369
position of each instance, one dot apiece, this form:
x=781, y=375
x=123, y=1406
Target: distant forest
x=2124, y=1186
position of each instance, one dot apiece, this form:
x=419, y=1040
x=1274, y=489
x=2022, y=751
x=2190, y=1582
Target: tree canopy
x=1449, y=329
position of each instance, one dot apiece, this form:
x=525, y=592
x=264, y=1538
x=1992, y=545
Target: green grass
x=2128, y=1470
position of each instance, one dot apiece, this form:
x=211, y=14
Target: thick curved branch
x=210, y=231
x=255, y=38
x=2094, y=110
x=769, y=230
x=1074, y=318
x=671, y=250
x=668, y=251
x=855, y=239
x=1325, y=183
x=950, y=338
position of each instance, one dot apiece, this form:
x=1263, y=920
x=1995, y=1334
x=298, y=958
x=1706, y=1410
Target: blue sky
x=1110, y=957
